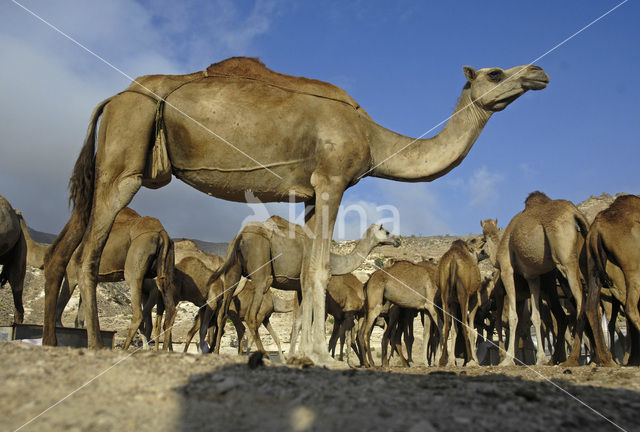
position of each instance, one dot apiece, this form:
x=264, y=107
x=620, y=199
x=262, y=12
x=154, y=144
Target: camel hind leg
x=120, y=160
x=16, y=271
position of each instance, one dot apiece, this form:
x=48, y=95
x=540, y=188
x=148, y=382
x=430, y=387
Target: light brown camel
x=404, y=284
x=238, y=126
x=549, y=292
x=547, y=235
x=188, y=248
x=614, y=237
x=137, y=248
x=35, y=251
x=459, y=280
x=271, y=254
x=345, y=303
x=13, y=256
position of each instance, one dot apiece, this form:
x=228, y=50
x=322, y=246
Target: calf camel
x=546, y=235
x=271, y=253
x=281, y=137
x=345, y=303
x=405, y=284
x=137, y=248
x=13, y=256
x=614, y=238
x=459, y=279
x=35, y=251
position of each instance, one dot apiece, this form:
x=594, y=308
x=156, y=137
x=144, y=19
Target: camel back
x=160, y=86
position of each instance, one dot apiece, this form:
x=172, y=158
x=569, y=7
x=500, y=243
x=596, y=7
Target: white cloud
x=483, y=187
x=50, y=87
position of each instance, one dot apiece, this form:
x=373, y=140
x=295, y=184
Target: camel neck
x=343, y=264
x=402, y=158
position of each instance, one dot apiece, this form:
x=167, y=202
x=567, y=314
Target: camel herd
x=239, y=127
x=547, y=259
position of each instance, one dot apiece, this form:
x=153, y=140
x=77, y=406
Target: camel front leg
x=276, y=339
x=316, y=271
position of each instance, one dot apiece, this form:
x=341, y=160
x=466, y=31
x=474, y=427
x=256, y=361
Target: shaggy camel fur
x=13, y=256
x=404, y=284
x=279, y=136
x=35, y=251
x=614, y=238
x=459, y=279
x=137, y=248
x=547, y=235
x=271, y=254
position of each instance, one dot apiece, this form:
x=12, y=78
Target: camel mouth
x=536, y=83
x=395, y=242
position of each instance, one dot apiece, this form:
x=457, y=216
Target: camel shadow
x=318, y=399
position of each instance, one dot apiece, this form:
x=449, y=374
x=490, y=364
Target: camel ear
x=469, y=72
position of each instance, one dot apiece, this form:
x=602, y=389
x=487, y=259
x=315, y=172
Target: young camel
x=459, y=279
x=241, y=301
x=407, y=285
x=282, y=137
x=614, y=238
x=547, y=235
x=345, y=303
x=271, y=253
x=13, y=256
x=137, y=248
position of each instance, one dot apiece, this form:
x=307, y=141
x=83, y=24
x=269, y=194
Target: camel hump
x=623, y=206
x=536, y=198
x=253, y=68
x=126, y=214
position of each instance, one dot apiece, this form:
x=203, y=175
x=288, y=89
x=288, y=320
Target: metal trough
x=71, y=337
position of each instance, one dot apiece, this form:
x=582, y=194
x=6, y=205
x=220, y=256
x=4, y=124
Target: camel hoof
x=569, y=363
x=507, y=362
x=472, y=363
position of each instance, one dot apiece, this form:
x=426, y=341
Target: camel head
x=492, y=89
x=381, y=236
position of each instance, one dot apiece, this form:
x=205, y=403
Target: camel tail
x=582, y=223
x=598, y=253
x=230, y=260
x=81, y=185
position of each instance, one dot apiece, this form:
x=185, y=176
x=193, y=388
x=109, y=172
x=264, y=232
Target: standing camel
x=460, y=280
x=238, y=126
x=614, y=238
x=13, y=256
x=547, y=235
x=404, y=284
x=271, y=254
x=137, y=248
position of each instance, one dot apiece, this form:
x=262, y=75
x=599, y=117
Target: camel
x=271, y=254
x=13, y=256
x=547, y=235
x=238, y=126
x=404, y=284
x=345, y=303
x=35, y=251
x=492, y=235
x=188, y=248
x=614, y=238
x=137, y=248
x=459, y=279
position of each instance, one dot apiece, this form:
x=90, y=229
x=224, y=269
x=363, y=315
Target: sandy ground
x=77, y=389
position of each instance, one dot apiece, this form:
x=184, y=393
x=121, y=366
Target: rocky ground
x=77, y=389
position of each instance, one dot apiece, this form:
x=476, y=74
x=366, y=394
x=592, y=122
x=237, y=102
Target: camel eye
x=495, y=75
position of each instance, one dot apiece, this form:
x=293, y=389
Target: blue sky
x=402, y=61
